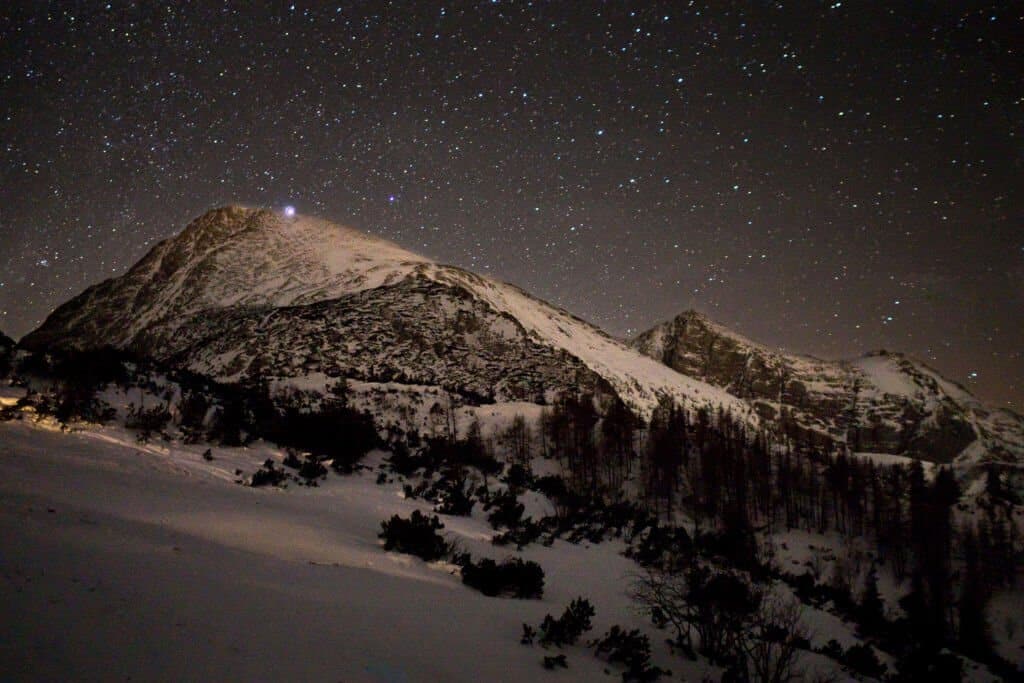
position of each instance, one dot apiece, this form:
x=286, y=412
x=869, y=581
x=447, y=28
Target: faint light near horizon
x=289, y=211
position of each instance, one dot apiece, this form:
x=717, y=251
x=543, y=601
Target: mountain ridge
x=242, y=258
x=882, y=401
x=242, y=294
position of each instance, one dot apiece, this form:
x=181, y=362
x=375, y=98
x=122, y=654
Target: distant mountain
x=246, y=293
x=6, y=342
x=880, y=403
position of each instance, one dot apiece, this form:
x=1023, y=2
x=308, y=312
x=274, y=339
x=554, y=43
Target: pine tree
x=871, y=611
x=974, y=633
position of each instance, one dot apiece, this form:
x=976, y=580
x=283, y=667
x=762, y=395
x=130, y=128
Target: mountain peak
x=244, y=292
x=692, y=314
x=224, y=222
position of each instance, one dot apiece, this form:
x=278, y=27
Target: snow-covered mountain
x=244, y=293
x=879, y=403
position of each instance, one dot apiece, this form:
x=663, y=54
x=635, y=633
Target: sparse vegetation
x=268, y=475
x=633, y=650
x=513, y=577
x=568, y=628
x=415, y=536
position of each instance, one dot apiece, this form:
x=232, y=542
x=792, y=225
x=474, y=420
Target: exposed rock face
x=242, y=293
x=882, y=402
x=414, y=332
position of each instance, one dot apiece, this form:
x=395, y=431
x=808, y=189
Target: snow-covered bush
x=567, y=629
x=513, y=577
x=268, y=475
x=415, y=536
x=632, y=649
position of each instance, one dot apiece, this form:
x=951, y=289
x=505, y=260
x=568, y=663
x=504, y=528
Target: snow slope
x=125, y=561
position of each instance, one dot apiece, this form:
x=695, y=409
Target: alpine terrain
x=244, y=293
x=281, y=449
x=881, y=402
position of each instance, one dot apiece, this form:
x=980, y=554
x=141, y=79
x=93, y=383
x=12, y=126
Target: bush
x=148, y=422
x=522, y=535
x=192, y=409
x=632, y=649
x=514, y=577
x=554, y=662
x=552, y=486
x=77, y=401
x=336, y=432
x=415, y=536
x=661, y=546
x=267, y=475
x=518, y=477
x=506, y=511
x=311, y=468
x=451, y=497
x=862, y=660
x=402, y=461
x=308, y=467
x=568, y=628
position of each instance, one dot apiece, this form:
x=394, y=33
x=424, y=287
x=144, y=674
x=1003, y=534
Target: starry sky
x=827, y=177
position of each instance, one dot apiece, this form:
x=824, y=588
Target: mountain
x=6, y=342
x=879, y=403
x=247, y=293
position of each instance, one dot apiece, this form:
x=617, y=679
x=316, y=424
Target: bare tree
x=662, y=596
x=759, y=631
x=770, y=644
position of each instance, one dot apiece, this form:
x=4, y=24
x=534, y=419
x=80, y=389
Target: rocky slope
x=247, y=292
x=879, y=403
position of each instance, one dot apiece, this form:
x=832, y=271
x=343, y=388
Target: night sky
x=826, y=177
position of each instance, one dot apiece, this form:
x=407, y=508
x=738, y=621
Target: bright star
x=289, y=211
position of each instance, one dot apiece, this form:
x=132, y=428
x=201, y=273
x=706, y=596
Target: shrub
x=832, y=649
x=268, y=475
x=522, y=535
x=631, y=648
x=192, y=409
x=513, y=577
x=552, y=486
x=335, y=432
x=863, y=660
x=555, y=661
x=506, y=511
x=568, y=628
x=415, y=536
x=148, y=422
x=402, y=461
x=311, y=468
x=452, y=499
x=518, y=477
x=77, y=400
